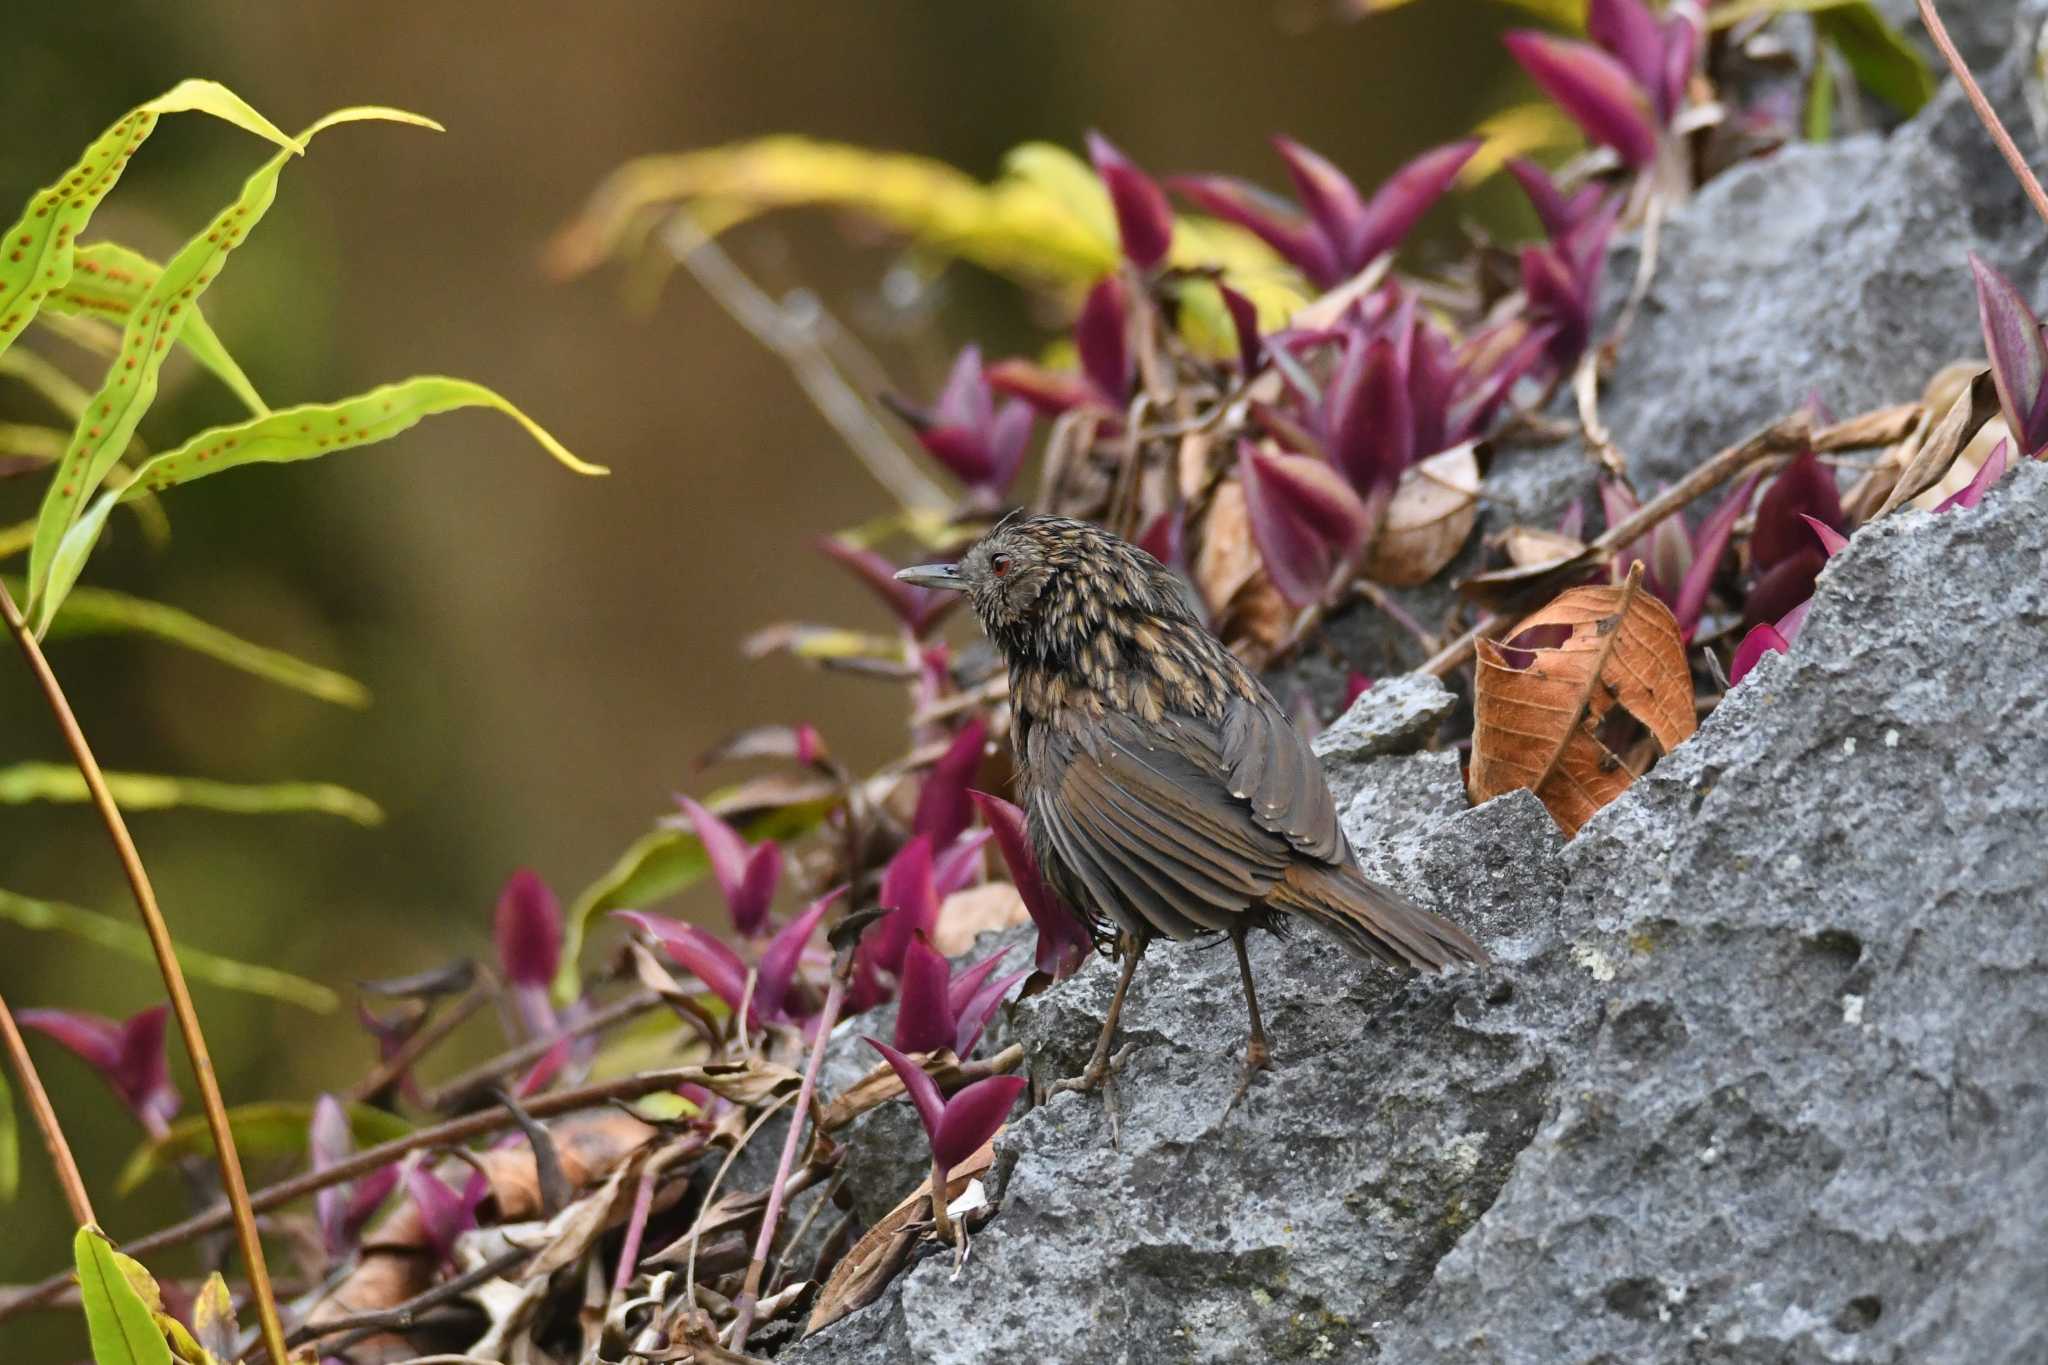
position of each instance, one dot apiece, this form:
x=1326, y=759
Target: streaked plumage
x=1166, y=791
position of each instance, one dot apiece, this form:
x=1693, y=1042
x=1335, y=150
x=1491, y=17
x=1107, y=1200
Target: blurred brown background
x=546, y=653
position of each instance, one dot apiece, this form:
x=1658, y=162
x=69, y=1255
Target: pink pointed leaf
x=972, y=1117
x=1332, y=201
x=1371, y=419
x=444, y=1214
x=2019, y=356
x=1303, y=517
x=1144, y=221
x=1598, y=92
x=1681, y=34
x=1404, y=197
x=1628, y=30
x=911, y=896
x=1048, y=392
x=966, y=984
x=1761, y=640
x=919, y=609
x=756, y=892
x=923, y=1091
x=1099, y=337
x=1063, y=940
x=129, y=1056
x=1707, y=548
x=1988, y=473
x=1008, y=439
x=772, y=979
x=942, y=810
x=980, y=1008
x=924, y=1014
x=1806, y=487
x=543, y=1072
x=1783, y=586
x=697, y=952
x=959, y=865
x=1831, y=540
x=1244, y=321
x=1552, y=208
x=527, y=927
x=964, y=402
x=1267, y=217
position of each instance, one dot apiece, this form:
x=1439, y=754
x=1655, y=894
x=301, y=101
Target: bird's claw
x=1256, y=1059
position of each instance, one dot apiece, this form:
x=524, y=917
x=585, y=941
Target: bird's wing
x=1271, y=767
x=1145, y=821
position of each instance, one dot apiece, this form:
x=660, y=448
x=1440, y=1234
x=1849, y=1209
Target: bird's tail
x=1372, y=920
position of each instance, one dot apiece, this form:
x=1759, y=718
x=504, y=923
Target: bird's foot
x=1257, y=1058
x=1092, y=1078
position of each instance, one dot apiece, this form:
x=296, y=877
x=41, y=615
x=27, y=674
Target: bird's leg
x=1257, y=1057
x=1132, y=948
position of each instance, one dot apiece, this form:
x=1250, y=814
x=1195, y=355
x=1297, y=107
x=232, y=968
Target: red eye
x=999, y=565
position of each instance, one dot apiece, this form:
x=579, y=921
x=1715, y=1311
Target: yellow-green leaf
x=302, y=433
x=10, y=1145
x=122, y=1330
x=122, y=935
x=266, y=1130
x=102, y=611
x=25, y=782
x=37, y=253
x=110, y=282
x=1517, y=131
x=213, y=1318
x=659, y=864
x=130, y=386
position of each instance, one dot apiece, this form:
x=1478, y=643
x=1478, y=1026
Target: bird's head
x=1040, y=583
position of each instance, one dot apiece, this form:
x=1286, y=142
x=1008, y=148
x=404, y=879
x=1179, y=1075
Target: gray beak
x=945, y=577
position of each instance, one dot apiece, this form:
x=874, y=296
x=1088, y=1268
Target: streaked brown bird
x=1165, y=790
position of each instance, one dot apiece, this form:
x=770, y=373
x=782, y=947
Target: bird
x=1165, y=792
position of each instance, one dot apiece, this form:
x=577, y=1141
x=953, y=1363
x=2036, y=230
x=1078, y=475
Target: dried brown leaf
x=1971, y=409
x=1540, y=727
x=1429, y=518
x=968, y=914
x=865, y=1271
x=1526, y=545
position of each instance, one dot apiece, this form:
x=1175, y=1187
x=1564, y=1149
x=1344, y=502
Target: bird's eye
x=999, y=565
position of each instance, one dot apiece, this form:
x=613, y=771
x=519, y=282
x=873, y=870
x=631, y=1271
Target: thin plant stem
x=771, y=1217
x=1985, y=113
x=942, y=1221
x=45, y=1115
x=229, y=1161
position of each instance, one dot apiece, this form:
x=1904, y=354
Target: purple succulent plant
x=127, y=1053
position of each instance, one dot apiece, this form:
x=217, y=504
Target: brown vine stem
x=1985, y=113
x=46, y=1119
x=371, y=1158
x=229, y=1161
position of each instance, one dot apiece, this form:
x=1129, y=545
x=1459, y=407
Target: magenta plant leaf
x=942, y=809
x=1831, y=540
x=1244, y=320
x=746, y=875
x=544, y=1070
x=924, y=1013
x=527, y=927
x=1144, y=221
x=979, y=1008
x=1371, y=421
x=128, y=1055
x=1628, y=30
x=1048, y=392
x=922, y=1089
x=2019, y=356
x=1761, y=640
x=1099, y=337
x=1401, y=200
x=918, y=609
x=911, y=896
x=330, y=1141
x=779, y=961
x=1303, y=517
x=1270, y=219
x=444, y=1213
x=1332, y=201
x=982, y=447
x=967, y=984
x=1988, y=473
x=1806, y=487
x=1707, y=549
x=972, y=1117
x=696, y=952
x=1598, y=92
x=1063, y=939
x=1783, y=586
x=959, y=865
x=1681, y=33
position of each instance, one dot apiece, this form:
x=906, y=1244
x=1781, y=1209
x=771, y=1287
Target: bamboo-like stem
x=229, y=1161
x=771, y=1217
x=371, y=1158
x=1986, y=115
x=45, y=1115
x=942, y=1221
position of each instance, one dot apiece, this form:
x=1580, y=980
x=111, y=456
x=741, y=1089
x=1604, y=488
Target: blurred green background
x=546, y=653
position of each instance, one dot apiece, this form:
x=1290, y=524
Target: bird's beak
x=944, y=577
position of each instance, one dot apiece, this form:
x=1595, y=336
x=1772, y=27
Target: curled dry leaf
x=1244, y=606
x=1557, y=725
x=1526, y=545
x=1429, y=518
x=865, y=1271
x=966, y=915
x=1973, y=406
